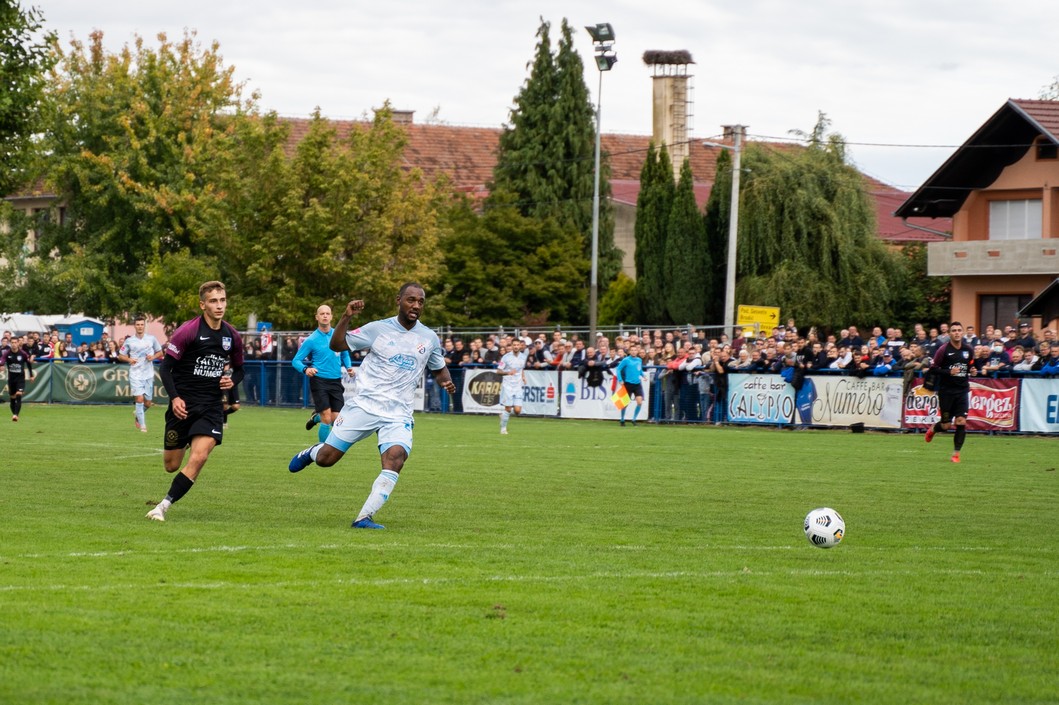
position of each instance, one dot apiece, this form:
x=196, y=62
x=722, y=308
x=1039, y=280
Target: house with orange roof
x=1000, y=189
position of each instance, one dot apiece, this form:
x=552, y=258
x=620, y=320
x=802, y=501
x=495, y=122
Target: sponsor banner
x=843, y=401
x=994, y=405
x=99, y=383
x=1039, y=406
x=758, y=398
x=540, y=394
x=920, y=406
x=579, y=401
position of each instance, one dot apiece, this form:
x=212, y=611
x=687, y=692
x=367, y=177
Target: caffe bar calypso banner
x=993, y=405
x=540, y=394
x=756, y=398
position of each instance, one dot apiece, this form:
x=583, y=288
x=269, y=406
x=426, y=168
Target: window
x=1015, y=220
x=1000, y=311
x=1047, y=150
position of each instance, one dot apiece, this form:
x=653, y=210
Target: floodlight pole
x=593, y=294
x=603, y=40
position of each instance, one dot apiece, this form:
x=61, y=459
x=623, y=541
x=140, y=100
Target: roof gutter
x=932, y=231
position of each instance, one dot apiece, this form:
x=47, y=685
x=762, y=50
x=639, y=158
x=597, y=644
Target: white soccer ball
x=824, y=527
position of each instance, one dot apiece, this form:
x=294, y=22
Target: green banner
x=64, y=382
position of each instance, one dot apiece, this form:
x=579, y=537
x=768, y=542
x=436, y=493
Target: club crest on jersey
x=226, y=343
x=421, y=348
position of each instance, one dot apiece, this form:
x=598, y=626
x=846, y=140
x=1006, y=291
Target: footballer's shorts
x=953, y=404
x=202, y=420
x=355, y=424
x=635, y=389
x=510, y=397
x=16, y=384
x=144, y=387
x=327, y=394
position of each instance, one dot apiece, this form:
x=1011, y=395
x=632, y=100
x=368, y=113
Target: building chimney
x=672, y=102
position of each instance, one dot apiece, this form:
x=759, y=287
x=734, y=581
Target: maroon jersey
x=199, y=355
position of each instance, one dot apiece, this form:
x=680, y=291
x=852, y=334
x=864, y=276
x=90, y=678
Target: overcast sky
x=896, y=73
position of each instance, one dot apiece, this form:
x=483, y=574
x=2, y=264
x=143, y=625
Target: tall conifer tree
x=652, y=217
x=687, y=264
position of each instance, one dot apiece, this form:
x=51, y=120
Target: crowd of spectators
x=690, y=365
x=52, y=346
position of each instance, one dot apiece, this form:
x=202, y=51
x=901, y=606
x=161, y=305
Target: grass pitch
x=569, y=562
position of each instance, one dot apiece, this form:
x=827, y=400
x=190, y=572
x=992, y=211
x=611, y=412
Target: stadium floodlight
x=602, y=37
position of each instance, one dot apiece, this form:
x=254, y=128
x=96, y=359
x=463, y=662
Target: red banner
x=993, y=406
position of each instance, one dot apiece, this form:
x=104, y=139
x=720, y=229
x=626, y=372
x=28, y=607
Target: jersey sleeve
x=437, y=357
x=183, y=335
x=361, y=338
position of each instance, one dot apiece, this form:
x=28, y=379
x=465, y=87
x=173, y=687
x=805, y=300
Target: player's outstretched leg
x=304, y=458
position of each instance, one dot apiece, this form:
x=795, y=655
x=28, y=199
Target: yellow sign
x=767, y=317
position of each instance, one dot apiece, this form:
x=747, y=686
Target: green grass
x=569, y=562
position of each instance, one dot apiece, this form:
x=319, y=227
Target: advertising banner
x=540, y=395
x=994, y=405
x=921, y=406
x=95, y=383
x=1039, y=406
x=580, y=401
x=843, y=401
x=756, y=398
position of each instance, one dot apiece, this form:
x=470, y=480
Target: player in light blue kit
x=399, y=350
x=140, y=350
x=511, y=368
x=630, y=373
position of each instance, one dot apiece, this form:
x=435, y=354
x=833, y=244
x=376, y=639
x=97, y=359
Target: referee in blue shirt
x=323, y=367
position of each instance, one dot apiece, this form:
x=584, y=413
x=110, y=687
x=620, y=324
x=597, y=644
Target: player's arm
x=338, y=338
x=442, y=377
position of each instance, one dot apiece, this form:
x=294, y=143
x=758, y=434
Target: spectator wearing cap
x=1025, y=337
x=884, y=362
x=538, y=356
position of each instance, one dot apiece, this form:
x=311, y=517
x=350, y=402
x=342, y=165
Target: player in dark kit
x=204, y=357
x=951, y=363
x=19, y=363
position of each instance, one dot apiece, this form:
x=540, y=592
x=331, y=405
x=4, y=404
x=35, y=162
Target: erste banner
x=540, y=395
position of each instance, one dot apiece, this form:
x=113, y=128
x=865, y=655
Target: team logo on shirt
x=226, y=343
x=421, y=349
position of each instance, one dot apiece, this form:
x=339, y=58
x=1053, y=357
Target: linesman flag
x=620, y=397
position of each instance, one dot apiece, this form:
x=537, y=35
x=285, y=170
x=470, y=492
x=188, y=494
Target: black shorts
x=202, y=420
x=634, y=390
x=327, y=394
x=953, y=404
x=16, y=384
